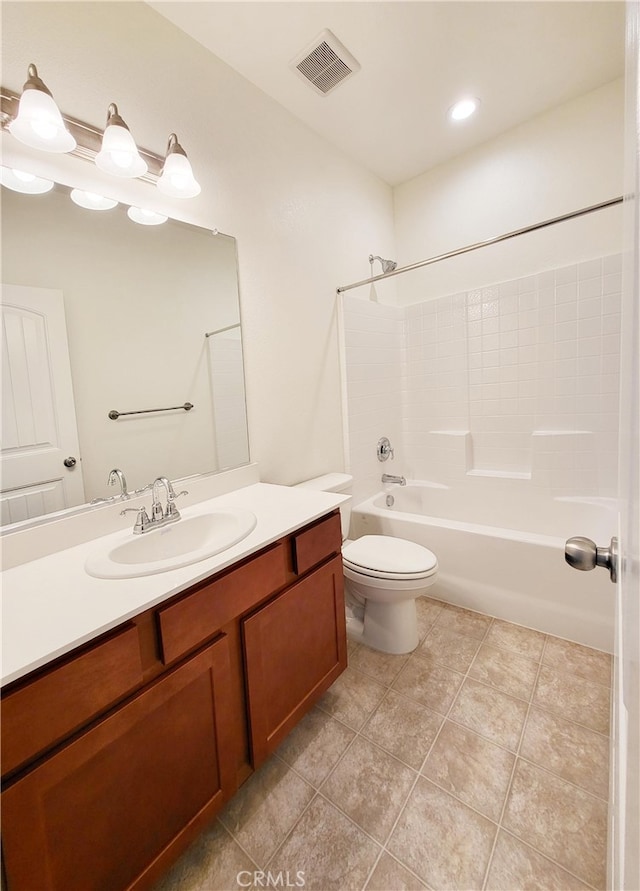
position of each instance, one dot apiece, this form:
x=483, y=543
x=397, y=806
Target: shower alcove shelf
x=545, y=446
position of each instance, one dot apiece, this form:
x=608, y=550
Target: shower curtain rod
x=480, y=244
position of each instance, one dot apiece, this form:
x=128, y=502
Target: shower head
x=387, y=265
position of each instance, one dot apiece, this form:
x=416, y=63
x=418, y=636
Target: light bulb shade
x=91, y=200
x=146, y=217
x=39, y=123
x=20, y=181
x=177, y=179
x=119, y=154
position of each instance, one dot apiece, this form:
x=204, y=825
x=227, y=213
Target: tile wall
x=519, y=379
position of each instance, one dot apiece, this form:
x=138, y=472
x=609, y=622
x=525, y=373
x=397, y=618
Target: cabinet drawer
x=191, y=621
x=314, y=545
x=51, y=707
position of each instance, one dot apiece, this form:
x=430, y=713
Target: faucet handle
x=142, y=520
x=172, y=510
x=141, y=489
x=384, y=449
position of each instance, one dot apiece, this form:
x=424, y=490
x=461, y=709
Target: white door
x=39, y=432
x=625, y=810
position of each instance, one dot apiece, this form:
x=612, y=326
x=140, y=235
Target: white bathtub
x=500, y=549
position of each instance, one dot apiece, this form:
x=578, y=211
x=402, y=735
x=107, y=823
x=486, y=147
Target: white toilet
x=383, y=577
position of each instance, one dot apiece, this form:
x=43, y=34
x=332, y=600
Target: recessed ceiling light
x=463, y=109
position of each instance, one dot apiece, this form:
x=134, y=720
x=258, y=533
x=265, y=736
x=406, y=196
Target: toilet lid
x=385, y=555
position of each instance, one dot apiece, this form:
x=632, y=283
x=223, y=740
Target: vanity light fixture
x=177, y=179
x=91, y=200
x=21, y=181
x=463, y=109
x=146, y=217
x=39, y=123
x=119, y=154
x=34, y=119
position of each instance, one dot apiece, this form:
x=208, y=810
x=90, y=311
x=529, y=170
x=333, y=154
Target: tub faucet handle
x=385, y=449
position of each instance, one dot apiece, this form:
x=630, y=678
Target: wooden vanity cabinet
x=215, y=679
x=101, y=812
x=295, y=647
x=65, y=698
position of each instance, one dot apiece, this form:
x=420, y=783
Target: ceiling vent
x=325, y=63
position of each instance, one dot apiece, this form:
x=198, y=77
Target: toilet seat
x=386, y=557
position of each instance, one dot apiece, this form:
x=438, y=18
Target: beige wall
x=568, y=158
x=305, y=216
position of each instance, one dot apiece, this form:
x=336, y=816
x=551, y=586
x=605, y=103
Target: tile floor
x=480, y=761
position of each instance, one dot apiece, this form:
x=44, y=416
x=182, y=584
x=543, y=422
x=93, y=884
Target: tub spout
x=390, y=478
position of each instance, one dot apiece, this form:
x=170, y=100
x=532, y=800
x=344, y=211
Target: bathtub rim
x=369, y=505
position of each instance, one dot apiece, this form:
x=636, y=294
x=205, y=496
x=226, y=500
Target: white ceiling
x=417, y=58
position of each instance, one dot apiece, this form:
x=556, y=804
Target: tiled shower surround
x=518, y=380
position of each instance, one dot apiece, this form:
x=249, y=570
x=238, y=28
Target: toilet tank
x=334, y=482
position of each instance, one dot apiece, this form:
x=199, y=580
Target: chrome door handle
x=582, y=553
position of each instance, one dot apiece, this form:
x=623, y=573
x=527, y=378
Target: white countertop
x=51, y=605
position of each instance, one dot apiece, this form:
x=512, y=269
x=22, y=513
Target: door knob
x=70, y=461
x=582, y=553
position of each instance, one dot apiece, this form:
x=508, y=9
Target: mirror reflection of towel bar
x=221, y=330
x=114, y=415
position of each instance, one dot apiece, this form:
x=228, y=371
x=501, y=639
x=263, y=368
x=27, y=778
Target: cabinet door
x=114, y=806
x=295, y=647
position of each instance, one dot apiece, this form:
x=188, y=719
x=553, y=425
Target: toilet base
x=388, y=627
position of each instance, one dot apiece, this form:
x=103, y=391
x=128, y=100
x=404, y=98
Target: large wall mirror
x=102, y=315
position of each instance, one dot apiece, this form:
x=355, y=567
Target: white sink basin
x=186, y=541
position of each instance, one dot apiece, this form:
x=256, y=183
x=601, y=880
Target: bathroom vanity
x=116, y=753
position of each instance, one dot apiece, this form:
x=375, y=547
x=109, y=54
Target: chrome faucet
x=390, y=478
x=117, y=476
x=170, y=514
x=159, y=516
x=157, y=511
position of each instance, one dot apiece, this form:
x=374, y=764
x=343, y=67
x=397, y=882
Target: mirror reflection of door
x=39, y=430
